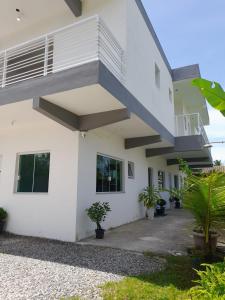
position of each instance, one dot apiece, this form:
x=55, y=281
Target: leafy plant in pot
x=149, y=198
x=3, y=217
x=205, y=199
x=97, y=213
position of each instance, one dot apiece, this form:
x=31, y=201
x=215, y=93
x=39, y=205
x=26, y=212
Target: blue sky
x=193, y=31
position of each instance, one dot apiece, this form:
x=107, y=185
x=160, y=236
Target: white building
x=90, y=110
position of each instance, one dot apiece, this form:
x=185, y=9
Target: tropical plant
x=149, y=197
x=3, y=214
x=98, y=212
x=212, y=92
x=205, y=199
x=217, y=162
x=211, y=284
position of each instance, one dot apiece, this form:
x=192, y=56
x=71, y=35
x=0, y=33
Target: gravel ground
x=33, y=268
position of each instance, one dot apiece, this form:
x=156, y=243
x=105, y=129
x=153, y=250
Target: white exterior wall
x=142, y=54
x=51, y=215
x=125, y=206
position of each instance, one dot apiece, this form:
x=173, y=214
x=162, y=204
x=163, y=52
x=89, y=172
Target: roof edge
x=186, y=72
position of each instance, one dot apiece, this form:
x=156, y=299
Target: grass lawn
x=169, y=284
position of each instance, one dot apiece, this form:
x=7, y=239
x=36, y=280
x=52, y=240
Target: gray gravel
x=33, y=268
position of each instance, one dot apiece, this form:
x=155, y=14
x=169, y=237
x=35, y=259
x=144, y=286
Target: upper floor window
x=109, y=175
x=33, y=173
x=170, y=96
x=157, y=76
x=161, y=179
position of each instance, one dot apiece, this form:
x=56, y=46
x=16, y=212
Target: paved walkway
x=169, y=234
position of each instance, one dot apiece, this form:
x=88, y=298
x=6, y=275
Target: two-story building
x=90, y=110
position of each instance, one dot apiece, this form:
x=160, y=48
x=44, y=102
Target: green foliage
x=211, y=285
x=3, y=214
x=98, y=212
x=183, y=165
x=213, y=92
x=217, y=162
x=205, y=198
x=149, y=197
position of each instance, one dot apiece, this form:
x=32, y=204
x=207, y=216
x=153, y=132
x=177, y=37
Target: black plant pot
x=160, y=211
x=99, y=233
x=2, y=225
x=177, y=204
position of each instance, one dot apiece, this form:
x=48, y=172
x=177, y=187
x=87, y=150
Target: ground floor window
x=161, y=180
x=109, y=174
x=130, y=170
x=176, y=181
x=33, y=173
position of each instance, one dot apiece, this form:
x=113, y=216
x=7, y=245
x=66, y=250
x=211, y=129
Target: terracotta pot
x=199, y=241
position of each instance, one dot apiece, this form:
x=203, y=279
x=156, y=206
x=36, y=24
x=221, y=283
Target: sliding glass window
x=109, y=175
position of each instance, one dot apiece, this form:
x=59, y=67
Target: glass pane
x=119, y=166
x=113, y=175
x=106, y=174
x=41, y=174
x=26, y=167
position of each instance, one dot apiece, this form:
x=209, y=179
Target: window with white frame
x=176, y=181
x=130, y=170
x=109, y=174
x=161, y=179
x=33, y=173
x=157, y=76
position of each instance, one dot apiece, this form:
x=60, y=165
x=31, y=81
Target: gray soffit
x=108, y=81
x=75, y=122
x=153, y=33
x=141, y=141
x=75, y=6
x=81, y=76
x=182, y=144
x=171, y=162
x=187, y=72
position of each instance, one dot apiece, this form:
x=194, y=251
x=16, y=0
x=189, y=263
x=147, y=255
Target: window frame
x=132, y=169
x=170, y=96
x=122, y=175
x=17, y=171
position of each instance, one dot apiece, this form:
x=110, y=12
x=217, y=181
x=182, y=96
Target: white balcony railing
x=190, y=124
x=82, y=42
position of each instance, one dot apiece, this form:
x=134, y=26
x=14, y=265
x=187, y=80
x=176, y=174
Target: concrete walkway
x=169, y=234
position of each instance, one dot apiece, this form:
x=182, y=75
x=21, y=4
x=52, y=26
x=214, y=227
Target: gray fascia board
x=141, y=141
x=200, y=166
x=108, y=81
x=187, y=72
x=96, y=120
x=153, y=33
x=76, y=77
x=75, y=6
x=56, y=113
x=174, y=161
x=81, y=76
x=182, y=144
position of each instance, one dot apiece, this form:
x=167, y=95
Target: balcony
x=190, y=124
x=79, y=43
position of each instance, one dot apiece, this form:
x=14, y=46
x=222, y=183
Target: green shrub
x=211, y=285
x=3, y=214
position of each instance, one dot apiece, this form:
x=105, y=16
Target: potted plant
x=3, y=217
x=160, y=209
x=149, y=198
x=97, y=213
x=205, y=199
